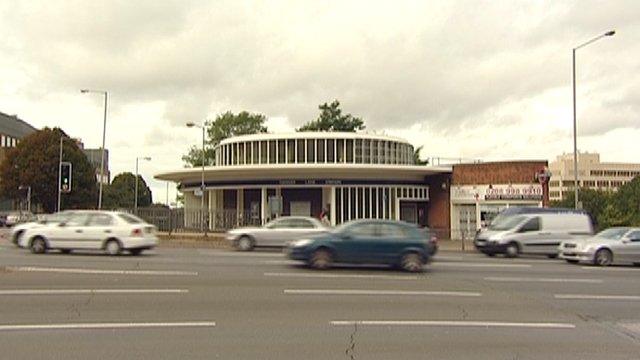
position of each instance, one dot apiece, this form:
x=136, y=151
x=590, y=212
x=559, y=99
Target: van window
x=507, y=223
x=532, y=225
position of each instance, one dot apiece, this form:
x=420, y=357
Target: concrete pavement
x=209, y=303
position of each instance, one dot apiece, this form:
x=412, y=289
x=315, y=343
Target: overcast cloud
x=473, y=79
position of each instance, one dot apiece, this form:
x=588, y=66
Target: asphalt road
x=207, y=304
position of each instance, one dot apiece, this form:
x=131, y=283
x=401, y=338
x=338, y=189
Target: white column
x=335, y=154
x=358, y=200
x=286, y=151
x=342, y=204
x=239, y=205
x=295, y=155
x=332, y=204
x=263, y=205
x=213, y=201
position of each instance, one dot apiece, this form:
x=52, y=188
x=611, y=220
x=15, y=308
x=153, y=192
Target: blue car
x=367, y=242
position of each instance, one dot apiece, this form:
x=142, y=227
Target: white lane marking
x=107, y=326
x=455, y=324
x=445, y=257
x=238, y=254
x=608, y=268
x=480, y=265
x=90, y=291
x=378, y=292
x=100, y=271
x=551, y=280
x=595, y=297
x=280, y=262
x=340, y=276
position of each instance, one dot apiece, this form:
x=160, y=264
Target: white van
x=533, y=234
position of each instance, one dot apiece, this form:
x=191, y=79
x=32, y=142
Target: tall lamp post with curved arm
x=575, y=135
x=202, y=227
x=104, y=129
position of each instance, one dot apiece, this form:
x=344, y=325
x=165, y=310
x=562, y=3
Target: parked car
x=275, y=233
x=17, y=217
x=618, y=245
x=533, y=233
x=366, y=242
x=19, y=229
x=110, y=231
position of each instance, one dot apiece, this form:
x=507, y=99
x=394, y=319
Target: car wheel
x=65, y=251
x=512, y=250
x=135, y=252
x=490, y=254
x=321, y=259
x=113, y=247
x=411, y=262
x=245, y=243
x=572, y=261
x=552, y=256
x=603, y=257
x=38, y=246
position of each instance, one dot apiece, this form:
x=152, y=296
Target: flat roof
x=312, y=135
x=304, y=171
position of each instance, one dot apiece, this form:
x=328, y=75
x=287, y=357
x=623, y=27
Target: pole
x=135, y=201
x=104, y=129
x=575, y=136
x=202, y=186
x=59, y=173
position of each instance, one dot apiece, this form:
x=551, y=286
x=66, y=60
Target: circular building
x=347, y=175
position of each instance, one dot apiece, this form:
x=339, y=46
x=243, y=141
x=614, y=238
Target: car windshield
x=507, y=223
x=612, y=233
x=131, y=219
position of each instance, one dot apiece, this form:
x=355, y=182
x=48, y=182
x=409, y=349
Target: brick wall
x=515, y=172
x=438, y=213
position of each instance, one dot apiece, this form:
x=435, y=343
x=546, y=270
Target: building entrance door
x=467, y=222
x=409, y=212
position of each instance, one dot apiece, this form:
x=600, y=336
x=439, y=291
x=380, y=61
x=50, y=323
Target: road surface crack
x=75, y=308
x=465, y=313
x=352, y=342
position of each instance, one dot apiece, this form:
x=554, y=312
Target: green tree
x=593, y=201
x=331, y=118
x=627, y=201
x=34, y=162
x=416, y=157
x=224, y=126
x=121, y=192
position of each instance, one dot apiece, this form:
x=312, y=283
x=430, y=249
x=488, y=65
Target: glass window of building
x=366, y=152
x=311, y=151
x=392, y=153
x=291, y=151
x=301, y=151
x=350, y=150
x=340, y=150
x=240, y=153
x=374, y=152
x=271, y=151
x=331, y=150
x=281, y=151
x=255, y=152
x=263, y=152
x=358, y=145
x=320, y=147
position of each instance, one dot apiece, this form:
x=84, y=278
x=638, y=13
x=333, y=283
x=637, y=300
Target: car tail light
x=136, y=232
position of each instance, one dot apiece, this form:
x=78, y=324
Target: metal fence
x=181, y=220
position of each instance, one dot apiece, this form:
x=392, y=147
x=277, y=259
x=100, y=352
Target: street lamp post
x=575, y=131
x=22, y=187
x=104, y=129
x=203, y=127
x=135, y=203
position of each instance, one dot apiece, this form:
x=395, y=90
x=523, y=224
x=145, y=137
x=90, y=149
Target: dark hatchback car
x=367, y=242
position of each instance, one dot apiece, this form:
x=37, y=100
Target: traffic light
x=65, y=177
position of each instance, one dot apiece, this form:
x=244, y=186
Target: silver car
x=275, y=233
x=618, y=245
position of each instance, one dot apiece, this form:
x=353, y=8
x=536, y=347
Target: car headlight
x=300, y=243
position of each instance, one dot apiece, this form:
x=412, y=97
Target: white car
x=278, y=232
x=616, y=245
x=110, y=231
x=18, y=230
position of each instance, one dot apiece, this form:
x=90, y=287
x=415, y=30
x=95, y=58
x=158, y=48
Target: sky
x=488, y=80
